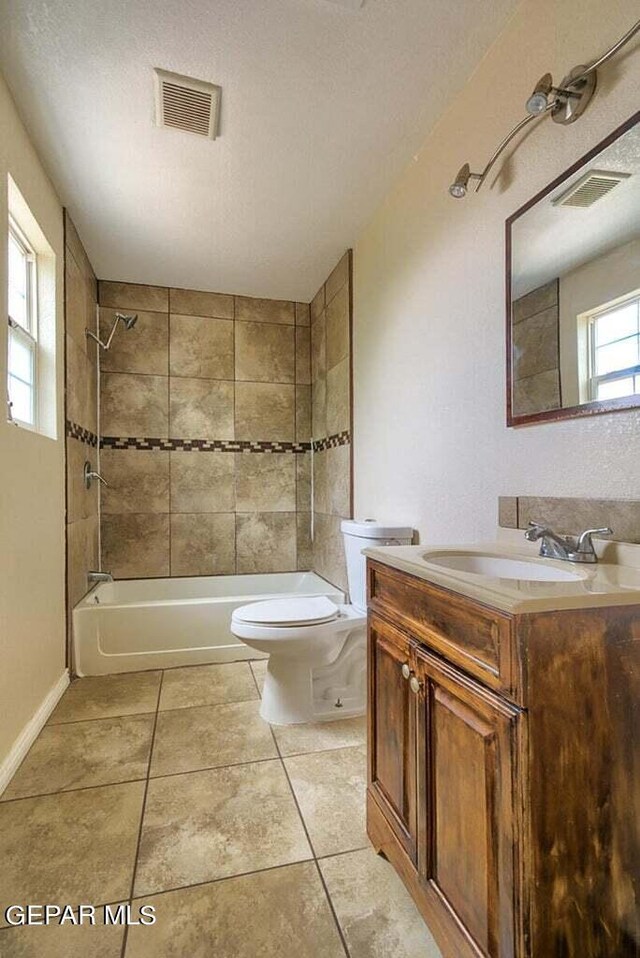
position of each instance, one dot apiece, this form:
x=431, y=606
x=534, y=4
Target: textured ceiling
x=322, y=107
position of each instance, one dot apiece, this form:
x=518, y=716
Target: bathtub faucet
x=99, y=577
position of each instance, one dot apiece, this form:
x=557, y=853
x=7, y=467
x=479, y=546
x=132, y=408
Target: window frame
x=28, y=335
x=592, y=317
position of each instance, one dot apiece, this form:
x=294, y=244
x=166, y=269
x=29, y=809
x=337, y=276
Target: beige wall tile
x=303, y=355
x=78, y=314
x=304, y=546
x=135, y=546
x=303, y=413
x=265, y=482
x=537, y=393
x=536, y=301
x=536, y=346
x=82, y=555
x=202, y=482
x=134, y=405
x=201, y=347
x=194, y=302
x=303, y=314
x=319, y=408
x=265, y=411
x=337, y=322
x=338, y=404
x=328, y=550
x=318, y=349
x=133, y=296
x=338, y=278
x=339, y=481
x=203, y=544
x=143, y=349
x=138, y=481
x=571, y=516
x=81, y=398
x=320, y=497
x=303, y=482
x=201, y=409
x=76, y=249
x=265, y=353
x=508, y=512
x=266, y=542
x=81, y=502
x=316, y=305
x=250, y=310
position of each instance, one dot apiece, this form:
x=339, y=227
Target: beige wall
x=331, y=405
x=32, y=616
x=431, y=445
x=221, y=385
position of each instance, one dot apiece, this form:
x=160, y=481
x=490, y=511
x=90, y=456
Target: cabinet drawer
x=476, y=638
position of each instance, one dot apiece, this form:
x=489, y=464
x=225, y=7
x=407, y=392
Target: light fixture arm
x=611, y=52
x=505, y=143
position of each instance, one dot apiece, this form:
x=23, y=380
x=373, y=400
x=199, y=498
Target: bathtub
x=136, y=624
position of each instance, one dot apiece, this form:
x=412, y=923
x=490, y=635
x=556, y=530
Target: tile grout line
x=142, y=812
x=306, y=831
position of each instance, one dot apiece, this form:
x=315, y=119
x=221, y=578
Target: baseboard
x=31, y=731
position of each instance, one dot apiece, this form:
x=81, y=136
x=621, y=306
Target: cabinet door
x=392, y=731
x=466, y=738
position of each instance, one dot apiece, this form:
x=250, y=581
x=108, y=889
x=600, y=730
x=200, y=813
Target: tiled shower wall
x=81, y=415
x=331, y=311
x=205, y=427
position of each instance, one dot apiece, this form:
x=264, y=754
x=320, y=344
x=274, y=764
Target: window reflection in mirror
x=573, y=271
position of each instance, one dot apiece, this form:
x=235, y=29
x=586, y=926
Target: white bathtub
x=138, y=624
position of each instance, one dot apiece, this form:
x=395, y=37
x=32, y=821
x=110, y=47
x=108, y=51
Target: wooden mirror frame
x=597, y=407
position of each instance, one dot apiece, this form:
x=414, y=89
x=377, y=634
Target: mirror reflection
x=575, y=290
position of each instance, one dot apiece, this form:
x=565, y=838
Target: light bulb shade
x=539, y=99
x=458, y=188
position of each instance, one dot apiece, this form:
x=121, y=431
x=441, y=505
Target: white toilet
x=317, y=650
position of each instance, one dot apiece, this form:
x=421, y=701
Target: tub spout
x=93, y=577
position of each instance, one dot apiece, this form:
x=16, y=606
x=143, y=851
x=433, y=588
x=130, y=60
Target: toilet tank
x=366, y=534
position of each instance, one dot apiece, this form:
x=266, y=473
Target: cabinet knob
x=406, y=671
x=414, y=684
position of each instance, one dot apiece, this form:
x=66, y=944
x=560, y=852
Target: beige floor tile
x=375, y=912
x=82, y=754
x=320, y=736
x=69, y=848
x=259, y=669
x=104, y=696
x=207, y=685
x=215, y=824
x=282, y=913
x=210, y=736
x=330, y=789
x=63, y=941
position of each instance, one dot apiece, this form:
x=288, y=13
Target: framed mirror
x=573, y=289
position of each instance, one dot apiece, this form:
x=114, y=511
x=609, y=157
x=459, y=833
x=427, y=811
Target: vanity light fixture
x=565, y=104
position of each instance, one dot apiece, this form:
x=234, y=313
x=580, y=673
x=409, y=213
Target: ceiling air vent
x=590, y=188
x=183, y=103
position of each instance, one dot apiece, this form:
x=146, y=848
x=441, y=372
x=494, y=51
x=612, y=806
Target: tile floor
x=168, y=789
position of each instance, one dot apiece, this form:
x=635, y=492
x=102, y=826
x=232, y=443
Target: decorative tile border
x=330, y=442
x=74, y=431
x=202, y=445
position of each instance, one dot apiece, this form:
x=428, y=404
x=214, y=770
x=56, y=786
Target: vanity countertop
x=613, y=581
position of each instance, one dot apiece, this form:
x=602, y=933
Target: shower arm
x=97, y=339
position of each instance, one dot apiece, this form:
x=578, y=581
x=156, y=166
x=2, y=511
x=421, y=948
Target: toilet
x=317, y=650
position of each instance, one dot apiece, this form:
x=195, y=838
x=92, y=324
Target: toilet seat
x=287, y=613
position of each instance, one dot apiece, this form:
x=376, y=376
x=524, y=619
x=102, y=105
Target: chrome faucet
x=99, y=577
x=568, y=548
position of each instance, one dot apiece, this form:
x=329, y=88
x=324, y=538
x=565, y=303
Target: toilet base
x=294, y=693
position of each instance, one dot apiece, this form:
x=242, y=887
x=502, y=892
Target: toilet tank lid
x=370, y=529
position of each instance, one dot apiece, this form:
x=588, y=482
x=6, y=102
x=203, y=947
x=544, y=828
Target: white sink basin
x=502, y=567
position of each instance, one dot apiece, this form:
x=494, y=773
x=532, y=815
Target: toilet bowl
x=317, y=650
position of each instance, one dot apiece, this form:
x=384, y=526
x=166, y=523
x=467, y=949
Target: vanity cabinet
x=499, y=779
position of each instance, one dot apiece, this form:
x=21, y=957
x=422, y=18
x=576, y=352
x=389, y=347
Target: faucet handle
x=584, y=543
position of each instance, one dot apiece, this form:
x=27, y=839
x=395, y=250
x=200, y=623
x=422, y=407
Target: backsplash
x=331, y=407
x=570, y=516
x=205, y=434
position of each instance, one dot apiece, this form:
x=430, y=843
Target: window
x=23, y=328
x=614, y=350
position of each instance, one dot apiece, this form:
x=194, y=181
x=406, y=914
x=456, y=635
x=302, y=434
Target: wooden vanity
x=504, y=769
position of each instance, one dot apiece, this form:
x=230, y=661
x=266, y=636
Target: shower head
x=128, y=320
